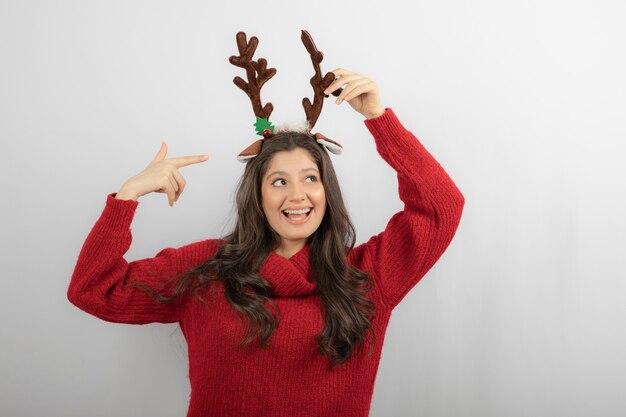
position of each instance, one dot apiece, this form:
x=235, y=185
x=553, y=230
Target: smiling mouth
x=297, y=215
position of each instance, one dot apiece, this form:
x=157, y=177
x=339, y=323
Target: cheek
x=270, y=200
x=319, y=197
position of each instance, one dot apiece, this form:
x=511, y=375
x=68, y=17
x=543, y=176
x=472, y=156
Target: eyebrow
x=286, y=174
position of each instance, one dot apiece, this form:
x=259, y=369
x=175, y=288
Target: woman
x=288, y=274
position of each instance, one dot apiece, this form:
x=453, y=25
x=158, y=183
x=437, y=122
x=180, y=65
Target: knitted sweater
x=290, y=378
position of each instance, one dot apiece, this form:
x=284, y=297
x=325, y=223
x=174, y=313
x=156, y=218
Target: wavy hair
x=341, y=287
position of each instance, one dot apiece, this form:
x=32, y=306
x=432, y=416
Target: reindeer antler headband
x=258, y=73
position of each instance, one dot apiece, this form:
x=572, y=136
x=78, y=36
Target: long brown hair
x=342, y=288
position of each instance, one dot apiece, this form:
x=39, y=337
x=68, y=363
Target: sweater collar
x=289, y=277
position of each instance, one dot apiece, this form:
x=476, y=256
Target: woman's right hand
x=161, y=176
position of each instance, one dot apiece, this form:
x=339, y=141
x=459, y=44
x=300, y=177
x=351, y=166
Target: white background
x=522, y=102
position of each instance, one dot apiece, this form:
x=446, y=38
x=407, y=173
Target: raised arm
x=416, y=237
x=102, y=278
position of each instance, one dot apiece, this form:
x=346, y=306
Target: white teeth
x=301, y=211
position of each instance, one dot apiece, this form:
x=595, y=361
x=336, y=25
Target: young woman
x=288, y=275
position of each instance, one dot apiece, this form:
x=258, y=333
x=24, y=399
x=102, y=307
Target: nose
x=296, y=193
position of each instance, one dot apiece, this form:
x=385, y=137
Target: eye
x=311, y=178
x=279, y=182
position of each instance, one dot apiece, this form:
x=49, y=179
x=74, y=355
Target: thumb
x=162, y=152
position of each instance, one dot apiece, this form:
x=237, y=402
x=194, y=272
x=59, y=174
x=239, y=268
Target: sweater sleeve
x=416, y=237
x=99, y=284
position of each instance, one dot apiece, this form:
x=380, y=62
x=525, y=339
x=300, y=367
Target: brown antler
x=319, y=84
x=256, y=72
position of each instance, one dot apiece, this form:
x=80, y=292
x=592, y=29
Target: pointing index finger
x=182, y=161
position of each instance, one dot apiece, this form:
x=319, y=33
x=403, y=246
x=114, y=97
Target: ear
x=329, y=144
x=251, y=151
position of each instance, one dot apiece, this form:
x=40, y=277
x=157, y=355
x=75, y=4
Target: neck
x=288, y=248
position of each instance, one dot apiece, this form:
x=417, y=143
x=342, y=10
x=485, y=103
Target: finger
x=362, y=89
x=339, y=72
x=162, y=152
x=350, y=77
x=181, y=183
x=349, y=91
x=171, y=194
x=168, y=188
x=350, y=88
x=182, y=161
x=340, y=82
x=173, y=183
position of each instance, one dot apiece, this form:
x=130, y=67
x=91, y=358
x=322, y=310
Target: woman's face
x=293, y=198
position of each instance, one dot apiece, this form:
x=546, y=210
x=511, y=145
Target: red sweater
x=290, y=378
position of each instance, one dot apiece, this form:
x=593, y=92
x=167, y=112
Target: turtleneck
x=289, y=277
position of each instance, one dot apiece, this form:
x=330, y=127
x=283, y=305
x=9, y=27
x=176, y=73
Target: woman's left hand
x=359, y=91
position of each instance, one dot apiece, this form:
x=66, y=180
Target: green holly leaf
x=262, y=124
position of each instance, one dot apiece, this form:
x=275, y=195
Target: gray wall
x=523, y=104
